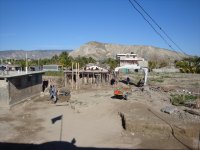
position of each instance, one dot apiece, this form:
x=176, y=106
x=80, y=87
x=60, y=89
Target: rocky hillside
x=99, y=50
x=34, y=54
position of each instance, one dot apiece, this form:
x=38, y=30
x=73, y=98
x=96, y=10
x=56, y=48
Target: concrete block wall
x=23, y=87
x=167, y=70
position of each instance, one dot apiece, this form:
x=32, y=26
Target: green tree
x=113, y=63
x=45, y=61
x=84, y=60
x=55, y=59
x=21, y=63
x=189, y=65
x=65, y=60
x=152, y=64
x=91, y=60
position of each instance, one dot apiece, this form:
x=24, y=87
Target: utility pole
x=72, y=75
x=78, y=76
x=26, y=64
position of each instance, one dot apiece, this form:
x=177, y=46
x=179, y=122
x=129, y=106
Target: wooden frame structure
x=75, y=77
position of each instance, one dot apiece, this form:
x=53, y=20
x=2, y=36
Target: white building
x=52, y=67
x=132, y=62
x=131, y=59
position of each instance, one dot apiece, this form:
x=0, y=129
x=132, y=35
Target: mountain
x=33, y=54
x=100, y=51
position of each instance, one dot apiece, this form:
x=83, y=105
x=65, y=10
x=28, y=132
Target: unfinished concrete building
x=84, y=77
x=18, y=86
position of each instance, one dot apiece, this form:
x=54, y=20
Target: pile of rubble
x=189, y=109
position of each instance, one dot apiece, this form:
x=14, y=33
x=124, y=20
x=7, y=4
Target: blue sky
x=68, y=24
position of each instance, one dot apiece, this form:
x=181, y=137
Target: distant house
x=52, y=68
x=131, y=59
x=18, y=86
x=9, y=67
x=35, y=68
x=2, y=67
x=91, y=66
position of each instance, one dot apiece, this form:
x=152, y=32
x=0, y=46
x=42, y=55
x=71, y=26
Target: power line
x=160, y=28
x=151, y=25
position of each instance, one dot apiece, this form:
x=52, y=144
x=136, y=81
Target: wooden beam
x=65, y=79
x=78, y=76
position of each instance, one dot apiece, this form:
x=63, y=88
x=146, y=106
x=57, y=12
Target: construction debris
x=190, y=104
x=169, y=109
x=194, y=112
x=197, y=105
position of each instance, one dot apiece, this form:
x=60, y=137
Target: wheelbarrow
x=121, y=94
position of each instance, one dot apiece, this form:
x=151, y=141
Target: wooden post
x=82, y=78
x=93, y=80
x=67, y=77
x=78, y=76
x=26, y=64
x=61, y=126
x=101, y=78
x=65, y=80
x=87, y=78
x=104, y=77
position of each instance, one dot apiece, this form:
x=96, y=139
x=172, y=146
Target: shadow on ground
x=54, y=145
x=117, y=97
x=125, y=82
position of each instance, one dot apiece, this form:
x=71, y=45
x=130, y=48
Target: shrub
x=180, y=100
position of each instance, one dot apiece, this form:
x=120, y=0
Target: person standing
x=112, y=81
x=54, y=94
x=51, y=91
x=128, y=80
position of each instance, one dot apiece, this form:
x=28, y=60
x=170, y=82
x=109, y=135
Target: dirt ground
x=93, y=119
